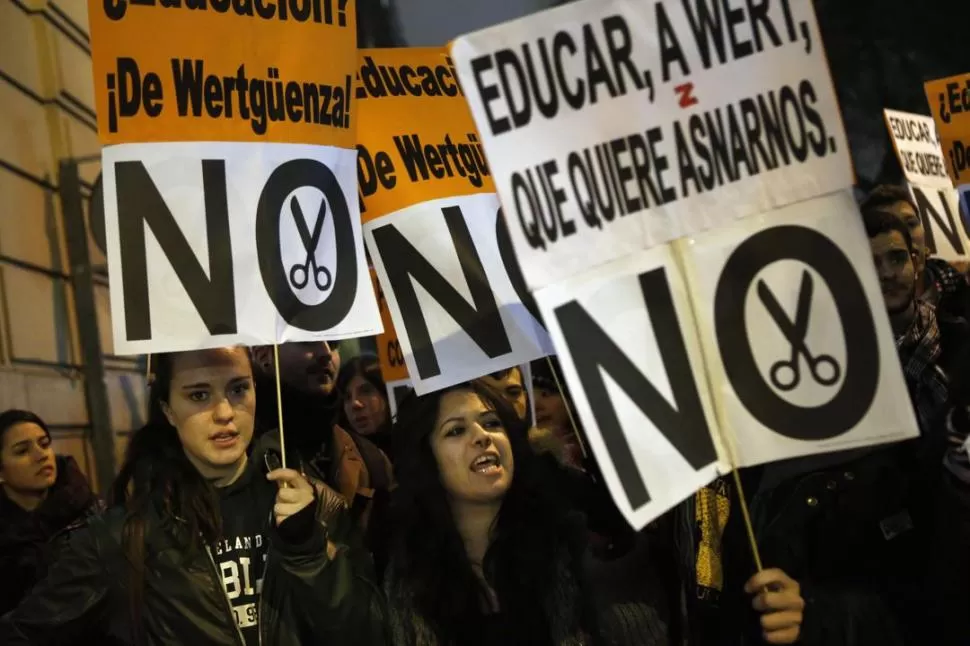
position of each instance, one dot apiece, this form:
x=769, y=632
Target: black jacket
x=855, y=529
x=29, y=540
x=855, y=535
x=307, y=597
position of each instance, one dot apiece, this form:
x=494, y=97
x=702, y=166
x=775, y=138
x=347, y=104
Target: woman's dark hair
x=429, y=554
x=367, y=367
x=157, y=475
x=13, y=416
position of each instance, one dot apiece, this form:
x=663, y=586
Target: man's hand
x=294, y=494
x=778, y=597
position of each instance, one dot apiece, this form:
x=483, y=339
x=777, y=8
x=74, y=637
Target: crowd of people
x=468, y=519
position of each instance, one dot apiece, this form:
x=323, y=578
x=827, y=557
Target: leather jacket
x=307, y=596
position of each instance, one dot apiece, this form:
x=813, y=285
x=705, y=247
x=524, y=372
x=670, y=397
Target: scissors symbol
x=786, y=375
x=300, y=273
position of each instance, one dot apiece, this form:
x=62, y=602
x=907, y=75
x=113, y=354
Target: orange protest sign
x=389, y=351
x=224, y=71
x=949, y=100
x=404, y=160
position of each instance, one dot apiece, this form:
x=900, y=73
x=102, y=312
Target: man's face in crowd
x=904, y=211
x=309, y=367
x=510, y=386
x=896, y=270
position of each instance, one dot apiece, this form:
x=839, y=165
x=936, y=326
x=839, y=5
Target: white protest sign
x=211, y=245
x=781, y=313
x=795, y=333
x=614, y=125
x=396, y=392
x=456, y=311
x=944, y=230
x=634, y=366
x=917, y=146
x=441, y=251
x=229, y=174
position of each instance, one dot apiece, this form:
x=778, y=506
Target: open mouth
x=225, y=438
x=322, y=376
x=486, y=464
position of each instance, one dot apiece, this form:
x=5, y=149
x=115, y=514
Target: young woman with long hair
x=43, y=498
x=484, y=552
x=364, y=408
x=203, y=546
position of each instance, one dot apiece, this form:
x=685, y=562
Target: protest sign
x=944, y=229
x=634, y=367
x=614, y=126
x=918, y=149
x=796, y=334
x=229, y=185
x=432, y=224
x=396, y=392
x=393, y=368
x=949, y=101
x=917, y=146
x=781, y=314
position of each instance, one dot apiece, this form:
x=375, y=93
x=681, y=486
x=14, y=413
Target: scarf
x=919, y=352
x=942, y=279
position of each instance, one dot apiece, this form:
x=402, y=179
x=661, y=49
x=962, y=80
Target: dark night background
x=880, y=53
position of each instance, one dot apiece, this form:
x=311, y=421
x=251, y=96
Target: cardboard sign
x=393, y=368
x=170, y=71
x=229, y=173
x=396, y=392
x=211, y=253
x=918, y=149
x=432, y=225
x=781, y=313
x=615, y=126
x=946, y=231
x=634, y=367
x=796, y=334
x=949, y=100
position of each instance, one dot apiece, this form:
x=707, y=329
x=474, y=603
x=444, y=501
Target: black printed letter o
x=861, y=372
x=290, y=176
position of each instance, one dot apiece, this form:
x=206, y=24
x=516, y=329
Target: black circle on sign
x=288, y=177
x=861, y=372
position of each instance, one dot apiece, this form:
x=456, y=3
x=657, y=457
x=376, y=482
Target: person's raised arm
x=329, y=581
